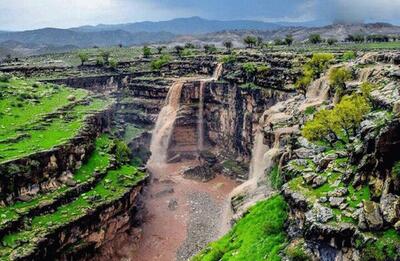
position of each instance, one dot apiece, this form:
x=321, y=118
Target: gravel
x=203, y=227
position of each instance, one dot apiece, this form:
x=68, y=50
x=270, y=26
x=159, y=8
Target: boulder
x=372, y=215
x=340, y=192
x=319, y=181
x=335, y=202
x=319, y=214
x=390, y=206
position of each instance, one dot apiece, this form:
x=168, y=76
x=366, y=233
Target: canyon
x=208, y=142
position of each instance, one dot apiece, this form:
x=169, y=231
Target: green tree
x=366, y=88
x=228, y=45
x=210, y=49
x=160, y=49
x=349, y=55
x=178, y=50
x=331, y=41
x=339, y=123
x=105, y=55
x=289, y=39
x=319, y=63
x=190, y=46
x=315, y=38
x=250, y=41
x=250, y=69
x=160, y=62
x=113, y=63
x=121, y=152
x=146, y=51
x=338, y=77
x=279, y=42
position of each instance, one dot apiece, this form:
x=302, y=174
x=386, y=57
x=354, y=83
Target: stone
x=319, y=181
x=70, y=183
x=372, y=214
x=397, y=226
x=324, y=162
x=323, y=200
x=339, y=192
x=309, y=177
x=71, y=98
x=319, y=214
x=173, y=204
x=396, y=108
x=343, y=206
x=335, y=201
x=390, y=206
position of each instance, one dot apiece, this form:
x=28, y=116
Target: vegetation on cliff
x=259, y=235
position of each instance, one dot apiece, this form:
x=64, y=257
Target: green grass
x=386, y=247
x=257, y=236
x=276, y=178
x=98, y=161
x=22, y=104
x=115, y=184
x=40, y=132
x=131, y=132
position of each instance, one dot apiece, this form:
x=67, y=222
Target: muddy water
x=169, y=204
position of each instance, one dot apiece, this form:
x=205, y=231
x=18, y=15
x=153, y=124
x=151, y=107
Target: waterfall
x=258, y=162
x=200, y=124
x=165, y=124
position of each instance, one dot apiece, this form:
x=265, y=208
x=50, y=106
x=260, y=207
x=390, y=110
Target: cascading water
x=164, y=126
x=200, y=125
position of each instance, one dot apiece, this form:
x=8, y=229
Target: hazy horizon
x=18, y=15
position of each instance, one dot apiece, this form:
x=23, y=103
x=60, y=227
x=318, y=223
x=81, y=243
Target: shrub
x=113, y=63
x=349, y=55
x=4, y=77
x=276, y=178
x=228, y=45
x=84, y=57
x=229, y=59
x=366, y=88
x=296, y=252
x=289, y=39
x=315, y=38
x=331, y=41
x=146, y=51
x=210, y=49
x=105, y=55
x=121, y=152
x=160, y=62
x=187, y=52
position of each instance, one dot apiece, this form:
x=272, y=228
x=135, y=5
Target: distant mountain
x=61, y=37
x=183, y=26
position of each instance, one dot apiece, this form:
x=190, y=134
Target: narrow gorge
x=250, y=155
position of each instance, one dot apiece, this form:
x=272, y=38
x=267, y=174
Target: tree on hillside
x=105, y=55
x=250, y=69
x=160, y=49
x=331, y=41
x=178, y=50
x=210, y=49
x=146, y=51
x=260, y=41
x=84, y=57
x=338, y=124
x=250, y=41
x=338, y=77
x=315, y=38
x=190, y=46
x=228, y=45
x=289, y=39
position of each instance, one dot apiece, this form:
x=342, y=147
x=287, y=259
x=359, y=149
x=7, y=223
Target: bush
x=296, y=252
x=338, y=124
x=84, y=57
x=331, y=41
x=315, y=38
x=4, y=77
x=113, y=63
x=366, y=88
x=349, y=55
x=146, y=51
x=187, y=52
x=276, y=178
x=121, y=152
x=160, y=62
x=210, y=49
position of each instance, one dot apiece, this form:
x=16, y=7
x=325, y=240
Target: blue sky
x=29, y=14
